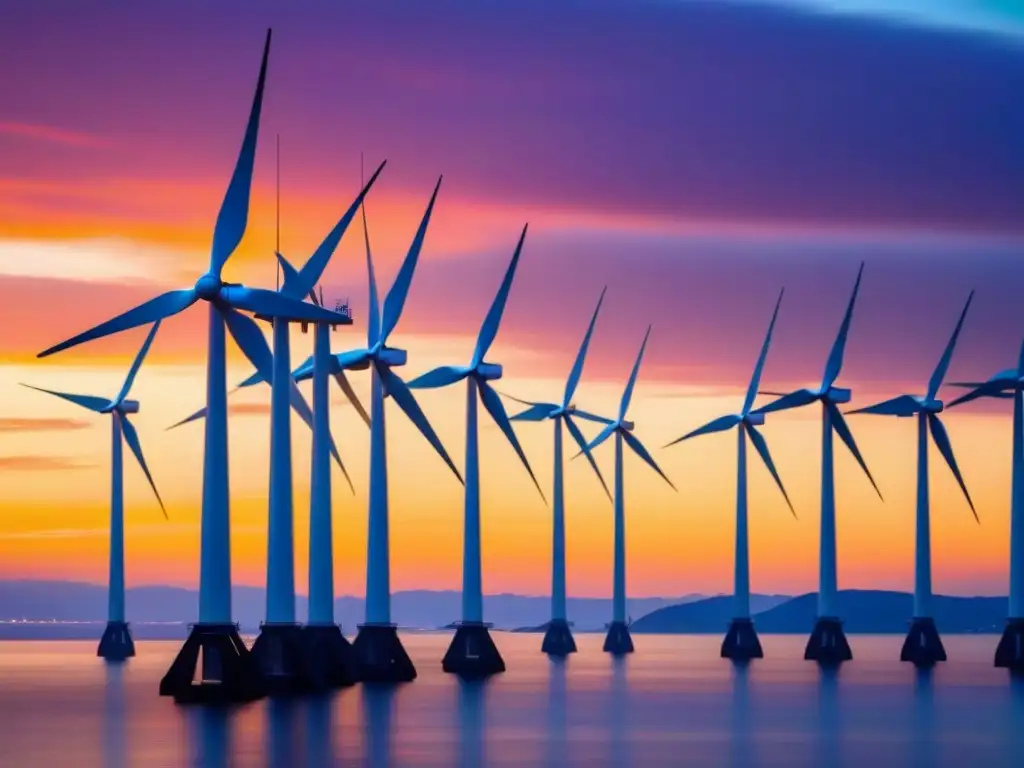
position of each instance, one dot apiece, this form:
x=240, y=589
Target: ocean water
x=674, y=702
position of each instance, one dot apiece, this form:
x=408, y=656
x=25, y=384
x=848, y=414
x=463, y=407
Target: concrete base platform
x=472, y=654
x=213, y=667
x=828, y=645
x=381, y=656
x=280, y=653
x=116, y=643
x=330, y=656
x=1010, y=652
x=618, y=641
x=923, y=646
x=741, y=642
x=558, y=639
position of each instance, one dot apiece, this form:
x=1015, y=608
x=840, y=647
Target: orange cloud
x=16, y=424
x=39, y=463
x=49, y=133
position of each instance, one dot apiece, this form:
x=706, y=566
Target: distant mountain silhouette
x=862, y=611
x=708, y=616
x=63, y=601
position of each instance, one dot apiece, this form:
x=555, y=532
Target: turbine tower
x=228, y=673
x=280, y=649
x=472, y=653
x=923, y=645
x=618, y=640
x=377, y=647
x=116, y=643
x=741, y=642
x=828, y=644
x=1004, y=385
x=558, y=639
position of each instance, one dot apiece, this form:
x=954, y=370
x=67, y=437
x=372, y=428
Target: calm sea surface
x=673, y=703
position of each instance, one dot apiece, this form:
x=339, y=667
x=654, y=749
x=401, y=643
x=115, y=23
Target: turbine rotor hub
x=626, y=426
x=488, y=371
x=208, y=286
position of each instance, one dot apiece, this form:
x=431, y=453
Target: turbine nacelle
x=488, y=371
x=389, y=356
x=930, y=406
x=129, y=406
x=839, y=395
x=626, y=426
x=754, y=419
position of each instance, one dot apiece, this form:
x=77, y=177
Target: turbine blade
x=640, y=451
x=200, y=414
x=628, y=394
x=904, y=405
x=164, y=305
x=395, y=300
x=988, y=389
x=274, y=304
x=341, y=465
x=250, y=340
x=136, y=364
x=761, y=445
x=582, y=443
x=1020, y=360
x=577, y=366
x=835, y=357
x=538, y=412
x=291, y=275
x=311, y=271
x=95, y=404
x=489, y=329
x=720, y=424
x=941, y=439
x=507, y=396
x=234, y=211
x=403, y=397
x=940, y=370
x=373, y=316
x=439, y=377
x=346, y=386
x=494, y=407
x=603, y=435
x=770, y=392
x=797, y=399
x=590, y=417
x=755, y=379
x=299, y=373
x=132, y=438
x=843, y=430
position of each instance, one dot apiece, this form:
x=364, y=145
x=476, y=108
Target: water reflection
x=320, y=732
x=472, y=702
x=828, y=716
x=618, y=711
x=557, y=752
x=281, y=724
x=1016, y=732
x=378, y=717
x=115, y=731
x=210, y=736
x=923, y=725
x=741, y=744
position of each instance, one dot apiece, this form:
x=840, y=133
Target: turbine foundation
x=1010, y=652
x=741, y=642
x=923, y=646
x=381, y=656
x=330, y=656
x=213, y=667
x=618, y=641
x=472, y=654
x=558, y=639
x=828, y=645
x=280, y=653
x=116, y=643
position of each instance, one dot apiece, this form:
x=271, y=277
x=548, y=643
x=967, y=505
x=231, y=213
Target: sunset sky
x=694, y=156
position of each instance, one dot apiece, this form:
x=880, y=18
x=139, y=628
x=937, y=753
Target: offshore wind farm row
x=214, y=664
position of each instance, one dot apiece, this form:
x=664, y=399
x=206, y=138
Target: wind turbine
x=228, y=672
x=378, y=648
x=116, y=643
x=472, y=653
x=828, y=644
x=923, y=645
x=618, y=640
x=558, y=639
x=1008, y=384
x=741, y=642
